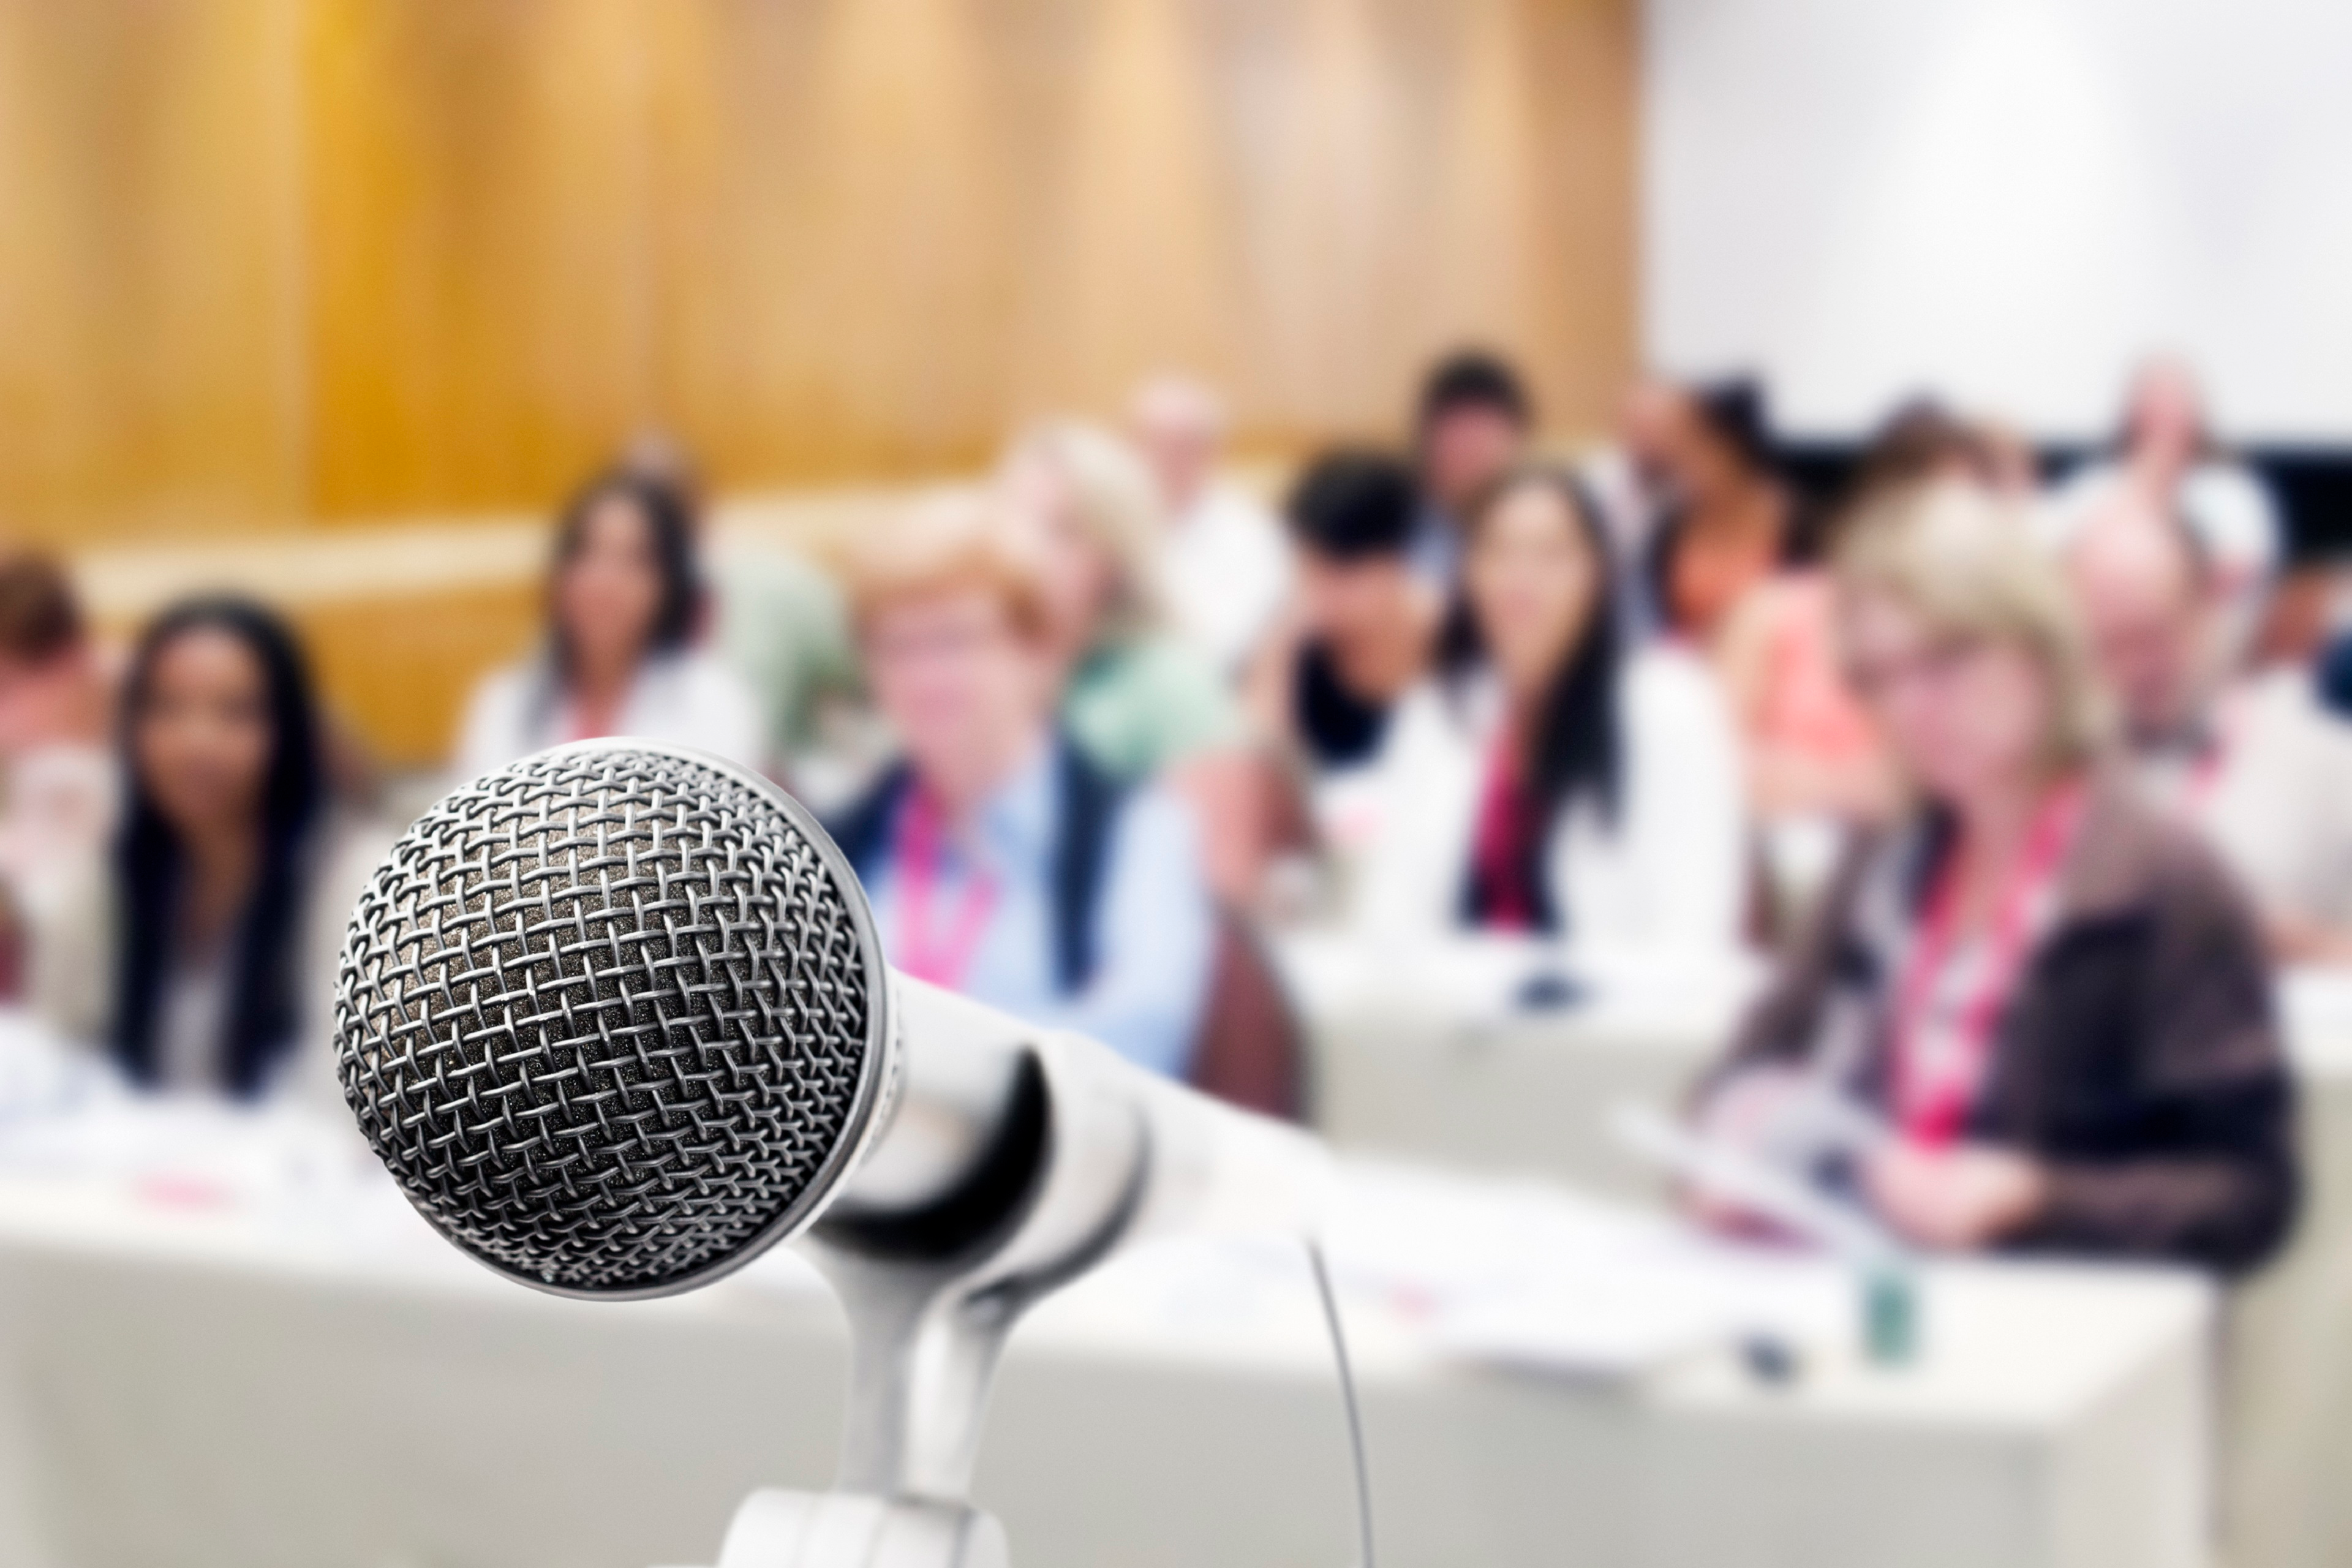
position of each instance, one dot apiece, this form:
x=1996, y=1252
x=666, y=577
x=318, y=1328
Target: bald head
x=1180, y=425
x=2141, y=584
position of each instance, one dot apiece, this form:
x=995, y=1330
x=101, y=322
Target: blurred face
x=1079, y=576
x=1646, y=429
x=1532, y=581
x=957, y=680
x=1350, y=603
x=2146, y=630
x=45, y=699
x=1966, y=715
x=1467, y=448
x=1181, y=446
x=1696, y=464
x=609, y=594
x=201, y=741
x=2167, y=415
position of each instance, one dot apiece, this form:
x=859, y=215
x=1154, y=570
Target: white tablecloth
x=212, y=1363
x=1431, y=1062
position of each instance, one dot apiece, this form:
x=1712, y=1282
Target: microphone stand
x=931, y=1298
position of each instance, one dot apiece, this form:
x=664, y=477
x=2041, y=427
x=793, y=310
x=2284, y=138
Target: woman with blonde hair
x=1138, y=697
x=1001, y=861
x=2048, y=1003
x=1140, y=700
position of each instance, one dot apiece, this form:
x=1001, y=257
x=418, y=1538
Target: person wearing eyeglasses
x=2048, y=997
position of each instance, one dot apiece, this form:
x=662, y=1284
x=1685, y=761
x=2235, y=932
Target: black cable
x=1330, y=1300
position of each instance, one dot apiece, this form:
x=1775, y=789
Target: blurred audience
x=56, y=709
x=2053, y=997
x=1728, y=522
x=623, y=600
x=1222, y=556
x=201, y=952
x=1364, y=622
x=1473, y=424
x=1002, y=858
x=1544, y=780
x=2167, y=452
x=2256, y=760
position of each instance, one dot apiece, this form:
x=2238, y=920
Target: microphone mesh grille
x=604, y=1016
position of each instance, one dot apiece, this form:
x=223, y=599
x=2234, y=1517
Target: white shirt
x=687, y=698
x=1228, y=571
x=1670, y=875
x=2274, y=794
x=2235, y=519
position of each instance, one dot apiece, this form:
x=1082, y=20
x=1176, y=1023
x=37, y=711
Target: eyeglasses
x=1932, y=664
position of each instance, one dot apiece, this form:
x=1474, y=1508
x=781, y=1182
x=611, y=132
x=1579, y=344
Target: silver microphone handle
x=1212, y=1168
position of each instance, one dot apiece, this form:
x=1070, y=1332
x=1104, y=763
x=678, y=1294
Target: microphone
x=615, y=1018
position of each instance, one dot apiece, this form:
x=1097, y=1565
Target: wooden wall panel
x=271, y=265
x=476, y=246
x=267, y=262
x=151, y=365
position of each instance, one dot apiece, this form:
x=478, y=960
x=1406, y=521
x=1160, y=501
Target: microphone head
x=615, y=1017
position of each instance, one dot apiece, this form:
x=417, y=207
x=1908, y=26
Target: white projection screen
x=2005, y=202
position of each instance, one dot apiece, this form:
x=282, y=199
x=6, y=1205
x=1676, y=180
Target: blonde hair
x=949, y=542
x=1113, y=498
x=1967, y=561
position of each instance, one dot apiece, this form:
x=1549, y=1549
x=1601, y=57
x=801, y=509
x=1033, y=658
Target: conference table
x=225, y=1341
x=1435, y=1055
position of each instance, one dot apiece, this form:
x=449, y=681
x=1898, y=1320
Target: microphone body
x=963, y=1070
x=616, y=1019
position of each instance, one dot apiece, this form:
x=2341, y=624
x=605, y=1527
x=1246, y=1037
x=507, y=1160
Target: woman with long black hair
x=1544, y=780
x=201, y=954
x=622, y=657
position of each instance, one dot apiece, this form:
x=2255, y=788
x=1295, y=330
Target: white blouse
x=687, y=698
x=1669, y=875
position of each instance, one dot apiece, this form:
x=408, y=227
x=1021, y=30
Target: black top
x=1339, y=729
x=1087, y=805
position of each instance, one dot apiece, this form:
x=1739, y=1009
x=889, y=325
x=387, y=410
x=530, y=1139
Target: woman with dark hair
x=1543, y=779
x=1729, y=520
x=216, y=922
x=623, y=596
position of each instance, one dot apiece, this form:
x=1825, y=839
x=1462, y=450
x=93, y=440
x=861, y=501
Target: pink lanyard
x=1498, y=840
x=1932, y=1097
x=2205, y=777
x=940, y=957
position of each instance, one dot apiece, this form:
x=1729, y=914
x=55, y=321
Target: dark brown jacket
x=2138, y=1058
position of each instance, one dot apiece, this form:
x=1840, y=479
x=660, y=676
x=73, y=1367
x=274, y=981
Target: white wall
x=2007, y=201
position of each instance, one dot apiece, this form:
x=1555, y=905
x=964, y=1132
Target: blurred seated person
x=1138, y=697
x=1364, y=622
x=2257, y=762
x=1224, y=562
x=57, y=713
x=1003, y=860
x=1816, y=766
x=1474, y=424
x=1629, y=482
x=777, y=620
x=623, y=596
x=1728, y=522
x=2167, y=452
x=1811, y=748
x=201, y=952
x=1545, y=780
x=2048, y=1000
